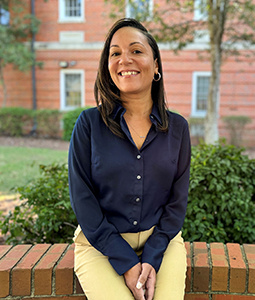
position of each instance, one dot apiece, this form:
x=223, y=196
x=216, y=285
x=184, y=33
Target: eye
x=114, y=54
x=137, y=51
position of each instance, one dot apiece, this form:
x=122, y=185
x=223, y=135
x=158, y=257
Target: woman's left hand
x=147, y=280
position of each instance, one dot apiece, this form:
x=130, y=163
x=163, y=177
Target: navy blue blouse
x=116, y=188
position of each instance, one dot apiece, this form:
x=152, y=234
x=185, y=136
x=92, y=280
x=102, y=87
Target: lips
x=128, y=73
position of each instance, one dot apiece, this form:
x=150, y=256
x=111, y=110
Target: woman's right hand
x=131, y=279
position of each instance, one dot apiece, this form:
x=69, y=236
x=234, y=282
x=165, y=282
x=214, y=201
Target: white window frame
x=63, y=106
x=194, y=111
x=66, y=19
x=129, y=14
x=198, y=15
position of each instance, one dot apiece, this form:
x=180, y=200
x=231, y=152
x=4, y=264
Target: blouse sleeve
x=173, y=216
x=100, y=233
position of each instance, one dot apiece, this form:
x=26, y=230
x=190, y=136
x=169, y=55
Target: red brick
x=219, y=267
x=196, y=297
x=43, y=271
x=78, y=286
x=78, y=297
x=64, y=273
x=21, y=274
x=232, y=297
x=4, y=249
x=7, y=263
x=237, y=88
x=188, y=274
x=250, y=255
x=237, y=269
x=201, y=267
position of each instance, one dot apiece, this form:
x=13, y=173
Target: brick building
x=69, y=43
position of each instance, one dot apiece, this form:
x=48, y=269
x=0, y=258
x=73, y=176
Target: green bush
x=235, y=125
x=220, y=207
x=18, y=121
x=13, y=120
x=48, y=123
x=46, y=215
x=69, y=120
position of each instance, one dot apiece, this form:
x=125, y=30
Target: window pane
x=200, y=11
x=73, y=8
x=139, y=9
x=4, y=17
x=72, y=90
x=202, y=92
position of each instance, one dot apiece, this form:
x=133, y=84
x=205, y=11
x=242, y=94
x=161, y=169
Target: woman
x=129, y=174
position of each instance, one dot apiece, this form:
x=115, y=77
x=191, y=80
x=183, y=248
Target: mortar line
x=192, y=266
x=210, y=267
x=247, y=268
x=33, y=272
x=228, y=261
x=10, y=275
x=53, y=286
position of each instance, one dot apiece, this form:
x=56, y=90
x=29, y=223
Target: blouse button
x=135, y=223
x=137, y=199
x=138, y=177
x=138, y=156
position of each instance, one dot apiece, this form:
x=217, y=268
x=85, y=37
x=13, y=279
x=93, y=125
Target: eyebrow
x=129, y=44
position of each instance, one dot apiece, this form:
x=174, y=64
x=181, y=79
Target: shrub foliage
x=13, y=120
x=69, y=120
x=236, y=125
x=18, y=121
x=222, y=185
x=220, y=208
x=45, y=215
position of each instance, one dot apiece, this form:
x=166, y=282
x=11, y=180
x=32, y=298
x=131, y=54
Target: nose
x=125, y=59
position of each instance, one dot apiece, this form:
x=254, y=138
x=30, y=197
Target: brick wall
x=215, y=272
x=237, y=88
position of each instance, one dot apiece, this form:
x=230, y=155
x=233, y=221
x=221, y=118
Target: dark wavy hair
x=106, y=93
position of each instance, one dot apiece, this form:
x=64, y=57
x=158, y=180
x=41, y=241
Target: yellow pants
x=101, y=282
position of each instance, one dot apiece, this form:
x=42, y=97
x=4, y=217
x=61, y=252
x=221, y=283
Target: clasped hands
x=139, y=278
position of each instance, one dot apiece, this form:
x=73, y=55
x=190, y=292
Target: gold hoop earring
x=159, y=77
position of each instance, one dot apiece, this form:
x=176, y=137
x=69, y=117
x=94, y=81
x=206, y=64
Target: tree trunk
x=216, y=21
x=2, y=82
x=211, y=120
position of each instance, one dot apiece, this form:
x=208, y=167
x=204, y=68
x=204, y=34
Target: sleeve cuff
x=121, y=256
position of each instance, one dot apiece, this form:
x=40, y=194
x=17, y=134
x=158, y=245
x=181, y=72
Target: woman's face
x=131, y=63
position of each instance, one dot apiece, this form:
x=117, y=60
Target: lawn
x=18, y=165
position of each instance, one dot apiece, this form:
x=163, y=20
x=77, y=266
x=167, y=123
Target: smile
x=128, y=73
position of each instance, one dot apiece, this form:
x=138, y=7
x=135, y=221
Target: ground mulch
x=56, y=144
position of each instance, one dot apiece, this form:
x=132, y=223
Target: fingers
x=146, y=269
x=147, y=279
x=131, y=278
x=138, y=294
x=140, y=278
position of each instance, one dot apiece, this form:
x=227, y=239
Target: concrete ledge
x=215, y=271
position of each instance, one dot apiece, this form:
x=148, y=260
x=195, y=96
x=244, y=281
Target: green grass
x=19, y=165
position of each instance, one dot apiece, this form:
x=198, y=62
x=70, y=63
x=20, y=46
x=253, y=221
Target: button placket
x=138, y=189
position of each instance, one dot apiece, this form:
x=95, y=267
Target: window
x=71, y=89
x=201, y=82
x=4, y=17
x=139, y=9
x=200, y=11
x=71, y=10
